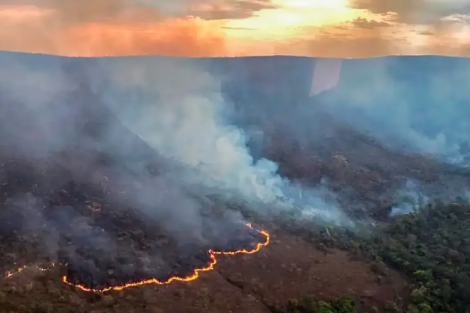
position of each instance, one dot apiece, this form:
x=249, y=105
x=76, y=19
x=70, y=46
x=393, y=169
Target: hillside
x=78, y=185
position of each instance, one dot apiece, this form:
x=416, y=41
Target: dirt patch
x=292, y=268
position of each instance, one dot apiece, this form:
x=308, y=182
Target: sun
x=291, y=18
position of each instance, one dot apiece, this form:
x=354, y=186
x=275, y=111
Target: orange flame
x=194, y=276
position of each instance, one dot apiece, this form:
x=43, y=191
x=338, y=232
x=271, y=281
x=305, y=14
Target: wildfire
x=194, y=276
x=21, y=269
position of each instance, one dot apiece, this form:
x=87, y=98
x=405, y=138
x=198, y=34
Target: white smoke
x=181, y=113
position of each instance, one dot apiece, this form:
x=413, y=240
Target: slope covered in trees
x=429, y=246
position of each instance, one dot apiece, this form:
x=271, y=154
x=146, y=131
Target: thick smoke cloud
x=413, y=105
x=181, y=112
x=370, y=127
x=68, y=119
x=58, y=130
x=210, y=133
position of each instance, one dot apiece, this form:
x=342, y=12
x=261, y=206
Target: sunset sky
x=333, y=28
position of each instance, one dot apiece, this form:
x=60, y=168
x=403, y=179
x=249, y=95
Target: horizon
x=233, y=57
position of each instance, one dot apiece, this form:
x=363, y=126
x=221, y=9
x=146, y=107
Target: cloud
x=358, y=38
x=451, y=33
x=120, y=27
x=42, y=30
x=368, y=24
x=105, y=11
x=455, y=19
x=234, y=9
x=343, y=47
x=194, y=28
x=414, y=12
x=426, y=33
x=341, y=41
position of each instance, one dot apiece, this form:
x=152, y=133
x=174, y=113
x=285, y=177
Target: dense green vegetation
x=431, y=246
x=310, y=305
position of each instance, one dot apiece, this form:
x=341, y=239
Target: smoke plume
x=154, y=134
x=423, y=112
x=181, y=112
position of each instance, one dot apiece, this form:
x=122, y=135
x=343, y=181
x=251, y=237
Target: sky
x=206, y=28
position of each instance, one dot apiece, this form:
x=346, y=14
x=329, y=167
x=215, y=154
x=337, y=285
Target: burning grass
x=73, y=277
x=102, y=246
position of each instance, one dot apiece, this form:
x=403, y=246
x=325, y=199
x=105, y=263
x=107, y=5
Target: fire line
x=194, y=276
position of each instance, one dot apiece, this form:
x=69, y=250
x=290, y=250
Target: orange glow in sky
x=332, y=28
